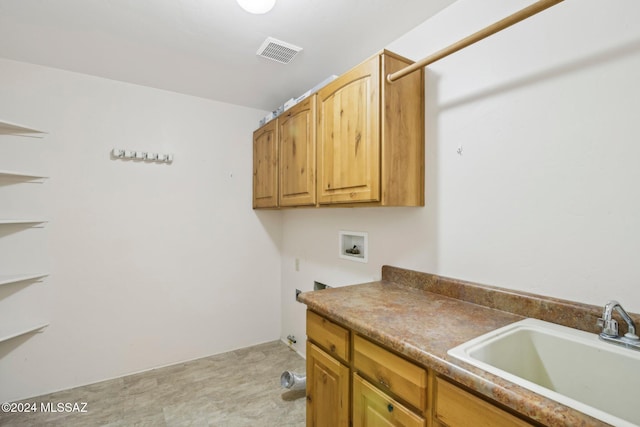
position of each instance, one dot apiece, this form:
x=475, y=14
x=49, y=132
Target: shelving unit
x=10, y=328
x=7, y=333
x=6, y=279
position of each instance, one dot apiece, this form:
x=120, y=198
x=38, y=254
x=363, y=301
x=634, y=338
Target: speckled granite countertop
x=417, y=316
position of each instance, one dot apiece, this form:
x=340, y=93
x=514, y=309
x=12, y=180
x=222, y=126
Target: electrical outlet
x=298, y=292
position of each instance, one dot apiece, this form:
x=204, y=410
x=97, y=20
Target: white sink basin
x=567, y=365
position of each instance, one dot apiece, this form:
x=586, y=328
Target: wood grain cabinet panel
x=265, y=166
x=391, y=372
x=370, y=136
x=331, y=337
x=349, y=137
x=327, y=390
x=456, y=407
x=297, y=138
x=373, y=408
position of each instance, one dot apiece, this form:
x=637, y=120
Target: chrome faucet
x=609, y=327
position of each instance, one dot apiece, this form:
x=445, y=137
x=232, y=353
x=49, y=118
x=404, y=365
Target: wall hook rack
x=118, y=153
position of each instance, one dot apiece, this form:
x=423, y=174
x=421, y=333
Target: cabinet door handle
x=390, y=407
x=383, y=382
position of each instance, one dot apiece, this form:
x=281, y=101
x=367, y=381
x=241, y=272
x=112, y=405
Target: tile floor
x=240, y=388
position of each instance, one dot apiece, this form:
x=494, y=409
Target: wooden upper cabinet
x=348, y=136
x=297, y=138
x=370, y=136
x=265, y=166
x=358, y=141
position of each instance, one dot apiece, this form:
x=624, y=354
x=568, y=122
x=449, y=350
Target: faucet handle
x=609, y=327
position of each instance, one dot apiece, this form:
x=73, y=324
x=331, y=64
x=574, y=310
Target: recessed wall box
x=353, y=245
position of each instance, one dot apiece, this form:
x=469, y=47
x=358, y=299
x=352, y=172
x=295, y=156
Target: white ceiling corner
x=206, y=48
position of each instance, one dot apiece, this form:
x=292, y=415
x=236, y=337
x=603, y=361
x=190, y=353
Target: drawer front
x=456, y=407
x=331, y=337
x=371, y=407
x=391, y=372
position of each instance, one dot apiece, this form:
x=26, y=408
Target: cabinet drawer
x=373, y=407
x=458, y=408
x=391, y=372
x=331, y=337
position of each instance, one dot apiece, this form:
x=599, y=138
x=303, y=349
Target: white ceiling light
x=257, y=6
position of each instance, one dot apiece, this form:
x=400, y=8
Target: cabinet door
x=327, y=390
x=349, y=136
x=297, y=135
x=373, y=408
x=265, y=166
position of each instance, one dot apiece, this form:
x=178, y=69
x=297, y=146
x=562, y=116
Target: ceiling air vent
x=278, y=51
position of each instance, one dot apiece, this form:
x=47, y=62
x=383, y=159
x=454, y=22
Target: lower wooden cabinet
x=373, y=408
x=327, y=390
x=455, y=407
x=352, y=381
x=341, y=370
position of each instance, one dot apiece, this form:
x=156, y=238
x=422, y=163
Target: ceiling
x=206, y=48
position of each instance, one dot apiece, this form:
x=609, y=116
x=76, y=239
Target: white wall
x=544, y=197
x=150, y=264
x=155, y=264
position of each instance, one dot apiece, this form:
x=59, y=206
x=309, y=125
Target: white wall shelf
x=22, y=221
x=8, y=128
x=13, y=174
x=7, y=333
x=8, y=328
x=6, y=279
